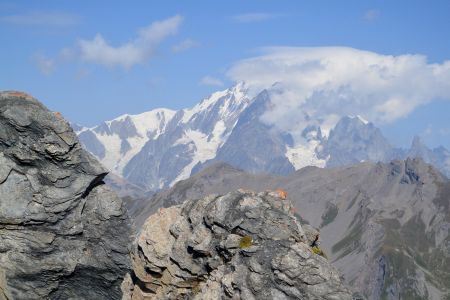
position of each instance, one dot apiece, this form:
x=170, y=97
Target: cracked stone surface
x=63, y=233
x=242, y=245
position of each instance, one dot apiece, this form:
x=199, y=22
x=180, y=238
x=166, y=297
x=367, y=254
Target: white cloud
x=185, y=45
x=212, y=81
x=253, y=17
x=328, y=82
x=137, y=51
x=40, y=18
x=372, y=15
x=45, y=65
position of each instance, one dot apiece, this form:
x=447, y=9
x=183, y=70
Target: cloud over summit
x=325, y=83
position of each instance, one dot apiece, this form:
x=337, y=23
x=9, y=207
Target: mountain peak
x=353, y=120
x=354, y=140
x=419, y=149
x=239, y=86
x=361, y=119
x=225, y=99
x=158, y=148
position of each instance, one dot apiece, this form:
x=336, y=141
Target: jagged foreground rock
x=386, y=227
x=238, y=246
x=63, y=234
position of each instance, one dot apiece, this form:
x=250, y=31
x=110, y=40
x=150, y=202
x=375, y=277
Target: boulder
x=63, y=233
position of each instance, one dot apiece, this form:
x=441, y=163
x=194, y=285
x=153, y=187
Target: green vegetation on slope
x=329, y=215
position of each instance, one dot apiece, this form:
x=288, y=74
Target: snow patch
x=364, y=121
x=154, y=121
x=305, y=155
x=239, y=92
x=112, y=145
x=202, y=106
x=205, y=148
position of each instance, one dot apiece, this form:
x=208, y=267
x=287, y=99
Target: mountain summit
x=154, y=150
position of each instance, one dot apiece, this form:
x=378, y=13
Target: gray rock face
x=353, y=141
x=238, y=246
x=63, y=233
x=253, y=145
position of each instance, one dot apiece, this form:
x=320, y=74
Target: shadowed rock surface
x=63, y=233
x=241, y=245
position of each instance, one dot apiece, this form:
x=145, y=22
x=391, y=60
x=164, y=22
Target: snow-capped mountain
x=254, y=145
x=115, y=142
x=160, y=147
x=354, y=140
x=156, y=149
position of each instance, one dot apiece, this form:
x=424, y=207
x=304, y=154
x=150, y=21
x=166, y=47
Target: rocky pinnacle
x=241, y=245
x=63, y=233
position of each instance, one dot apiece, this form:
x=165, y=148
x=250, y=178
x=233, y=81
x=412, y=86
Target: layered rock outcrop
x=63, y=233
x=241, y=245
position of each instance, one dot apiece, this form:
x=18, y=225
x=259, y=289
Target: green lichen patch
x=246, y=242
x=318, y=251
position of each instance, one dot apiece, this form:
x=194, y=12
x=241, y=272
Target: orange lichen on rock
x=58, y=114
x=282, y=193
x=19, y=94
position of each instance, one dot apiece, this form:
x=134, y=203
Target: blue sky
x=189, y=53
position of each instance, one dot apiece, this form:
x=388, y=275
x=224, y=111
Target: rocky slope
x=386, y=227
x=156, y=149
x=354, y=140
x=238, y=246
x=63, y=233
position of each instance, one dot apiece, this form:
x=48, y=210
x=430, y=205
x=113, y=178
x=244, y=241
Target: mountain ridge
x=385, y=226
x=228, y=126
